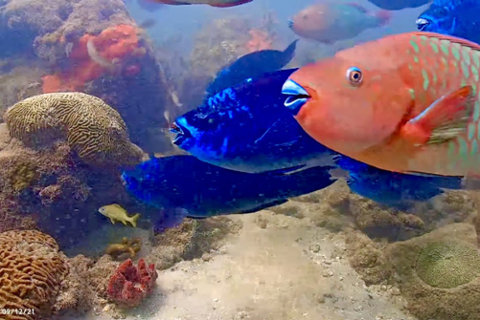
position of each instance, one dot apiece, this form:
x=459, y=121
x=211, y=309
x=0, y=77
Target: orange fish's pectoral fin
x=444, y=120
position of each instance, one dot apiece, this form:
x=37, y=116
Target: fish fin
x=170, y=218
x=124, y=222
x=443, y=120
x=264, y=206
x=383, y=16
x=461, y=41
x=287, y=171
x=116, y=205
x=113, y=221
x=227, y=5
x=134, y=219
x=358, y=6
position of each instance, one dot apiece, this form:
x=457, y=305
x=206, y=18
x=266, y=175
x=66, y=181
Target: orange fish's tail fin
x=383, y=16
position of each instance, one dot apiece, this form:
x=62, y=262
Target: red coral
x=129, y=285
x=114, y=47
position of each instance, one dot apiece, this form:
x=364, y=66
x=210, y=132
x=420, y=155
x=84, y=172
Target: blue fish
x=393, y=189
x=183, y=186
x=458, y=18
x=399, y=4
x=251, y=65
x=246, y=128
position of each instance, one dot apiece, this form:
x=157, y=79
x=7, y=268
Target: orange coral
x=112, y=49
x=260, y=40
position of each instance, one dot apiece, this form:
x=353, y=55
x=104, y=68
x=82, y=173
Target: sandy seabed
x=276, y=267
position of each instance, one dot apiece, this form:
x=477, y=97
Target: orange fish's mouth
x=297, y=96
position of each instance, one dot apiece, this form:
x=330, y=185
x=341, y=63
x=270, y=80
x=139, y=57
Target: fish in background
x=148, y=23
x=458, y=18
x=183, y=186
x=251, y=65
x=399, y=4
x=405, y=103
x=332, y=22
x=213, y=3
x=246, y=128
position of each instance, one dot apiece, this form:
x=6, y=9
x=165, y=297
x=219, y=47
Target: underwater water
x=158, y=162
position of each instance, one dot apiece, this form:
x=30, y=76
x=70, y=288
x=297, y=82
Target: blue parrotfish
x=251, y=65
x=458, y=18
x=183, y=186
x=246, y=128
x=399, y=4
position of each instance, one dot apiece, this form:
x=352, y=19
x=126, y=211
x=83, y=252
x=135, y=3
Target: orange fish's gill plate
x=404, y=103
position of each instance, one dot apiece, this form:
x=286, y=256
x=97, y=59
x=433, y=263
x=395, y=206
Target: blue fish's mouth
x=182, y=133
x=290, y=23
x=297, y=96
x=422, y=24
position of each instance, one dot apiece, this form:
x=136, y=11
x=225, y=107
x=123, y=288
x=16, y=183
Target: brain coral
x=31, y=271
x=448, y=264
x=94, y=130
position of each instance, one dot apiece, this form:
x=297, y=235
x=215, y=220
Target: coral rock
x=31, y=272
x=129, y=285
x=95, y=131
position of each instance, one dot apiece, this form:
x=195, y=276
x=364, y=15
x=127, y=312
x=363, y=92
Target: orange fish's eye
x=354, y=76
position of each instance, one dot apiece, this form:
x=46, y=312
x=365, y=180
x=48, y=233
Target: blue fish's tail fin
x=290, y=50
x=169, y=218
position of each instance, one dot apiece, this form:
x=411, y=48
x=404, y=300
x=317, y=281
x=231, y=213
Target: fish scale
x=407, y=83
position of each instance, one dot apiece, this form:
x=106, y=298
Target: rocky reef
x=90, y=46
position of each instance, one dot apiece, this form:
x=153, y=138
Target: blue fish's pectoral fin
x=287, y=171
x=264, y=206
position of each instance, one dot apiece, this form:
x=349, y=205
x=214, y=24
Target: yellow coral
x=31, y=271
x=94, y=130
x=127, y=246
x=23, y=175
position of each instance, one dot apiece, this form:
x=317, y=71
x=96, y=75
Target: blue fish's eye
x=354, y=76
x=422, y=23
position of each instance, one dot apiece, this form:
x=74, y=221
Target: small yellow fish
x=115, y=212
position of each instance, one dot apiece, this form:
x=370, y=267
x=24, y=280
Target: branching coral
x=127, y=246
x=31, y=272
x=130, y=285
x=92, y=56
x=95, y=131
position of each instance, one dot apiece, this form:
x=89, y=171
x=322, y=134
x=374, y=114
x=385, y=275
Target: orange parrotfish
x=331, y=22
x=213, y=3
x=406, y=103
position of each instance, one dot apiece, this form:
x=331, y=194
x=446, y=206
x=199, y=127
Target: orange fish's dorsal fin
x=228, y=5
x=461, y=41
x=445, y=119
x=358, y=6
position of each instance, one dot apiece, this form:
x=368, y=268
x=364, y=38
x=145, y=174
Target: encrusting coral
x=448, y=264
x=128, y=247
x=95, y=131
x=31, y=272
x=130, y=285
